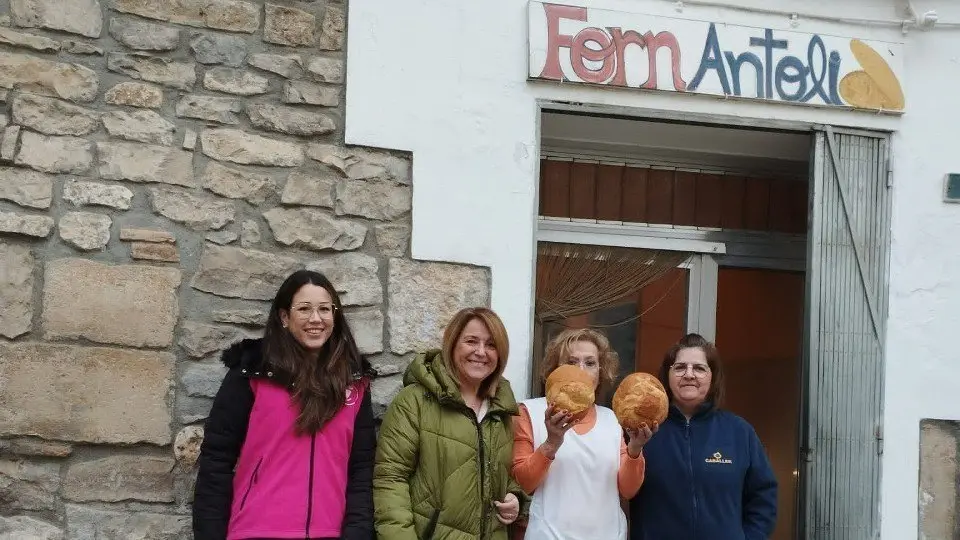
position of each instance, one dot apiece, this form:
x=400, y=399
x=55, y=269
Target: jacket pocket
x=431, y=525
x=250, y=484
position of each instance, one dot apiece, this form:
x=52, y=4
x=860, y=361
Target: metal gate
x=847, y=296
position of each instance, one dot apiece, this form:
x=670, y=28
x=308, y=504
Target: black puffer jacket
x=225, y=431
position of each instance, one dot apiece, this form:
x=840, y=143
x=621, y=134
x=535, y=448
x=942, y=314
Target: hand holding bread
x=636, y=438
x=557, y=422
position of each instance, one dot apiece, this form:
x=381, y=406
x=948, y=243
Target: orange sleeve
x=529, y=466
x=631, y=473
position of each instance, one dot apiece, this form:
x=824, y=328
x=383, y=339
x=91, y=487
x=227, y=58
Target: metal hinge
x=879, y=435
x=890, y=170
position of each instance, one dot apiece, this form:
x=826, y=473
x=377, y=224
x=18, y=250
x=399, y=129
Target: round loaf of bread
x=640, y=399
x=570, y=389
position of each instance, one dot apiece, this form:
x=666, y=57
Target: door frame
x=740, y=251
x=711, y=249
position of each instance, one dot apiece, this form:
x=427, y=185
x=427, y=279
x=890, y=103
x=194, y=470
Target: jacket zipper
x=253, y=480
x=432, y=525
x=313, y=445
x=693, y=484
x=483, y=501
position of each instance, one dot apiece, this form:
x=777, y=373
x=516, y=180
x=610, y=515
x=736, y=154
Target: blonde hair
x=451, y=335
x=558, y=350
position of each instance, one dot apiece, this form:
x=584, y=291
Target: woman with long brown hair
x=289, y=443
x=442, y=468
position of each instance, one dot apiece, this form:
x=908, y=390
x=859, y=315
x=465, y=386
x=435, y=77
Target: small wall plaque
x=951, y=188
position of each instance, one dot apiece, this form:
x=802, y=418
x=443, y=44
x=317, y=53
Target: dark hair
x=559, y=348
x=696, y=341
x=320, y=380
x=498, y=333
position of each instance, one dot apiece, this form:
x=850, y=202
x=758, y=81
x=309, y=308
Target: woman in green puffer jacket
x=443, y=458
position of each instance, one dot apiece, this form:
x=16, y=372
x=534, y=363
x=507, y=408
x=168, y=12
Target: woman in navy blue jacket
x=708, y=477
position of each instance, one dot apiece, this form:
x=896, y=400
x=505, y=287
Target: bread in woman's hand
x=570, y=389
x=640, y=399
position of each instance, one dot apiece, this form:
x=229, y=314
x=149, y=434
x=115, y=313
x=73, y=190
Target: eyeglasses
x=699, y=370
x=305, y=311
x=588, y=364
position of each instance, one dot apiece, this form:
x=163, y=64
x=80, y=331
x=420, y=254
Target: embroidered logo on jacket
x=352, y=396
x=717, y=457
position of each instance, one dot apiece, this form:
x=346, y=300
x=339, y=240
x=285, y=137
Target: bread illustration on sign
x=640, y=399
x=875, y=86
x=570, y=389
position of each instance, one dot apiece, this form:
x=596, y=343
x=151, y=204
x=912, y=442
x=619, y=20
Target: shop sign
x=573, y=44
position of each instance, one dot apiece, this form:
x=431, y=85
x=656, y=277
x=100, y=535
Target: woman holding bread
x=442, y=464
x=708, y=477
x=570, y=453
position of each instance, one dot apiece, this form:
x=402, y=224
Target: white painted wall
x=447, y=81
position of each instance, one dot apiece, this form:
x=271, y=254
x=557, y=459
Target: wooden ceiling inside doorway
x=679, y=198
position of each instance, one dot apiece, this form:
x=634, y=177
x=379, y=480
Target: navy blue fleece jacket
x=706, y=479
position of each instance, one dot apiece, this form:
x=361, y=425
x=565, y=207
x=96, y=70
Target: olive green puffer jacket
x=437, y=470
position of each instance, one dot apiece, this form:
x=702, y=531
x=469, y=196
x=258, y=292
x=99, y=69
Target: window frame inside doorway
x=702, y=266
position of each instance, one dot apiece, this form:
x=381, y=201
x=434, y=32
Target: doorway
x=768, y=209
x=736, y=201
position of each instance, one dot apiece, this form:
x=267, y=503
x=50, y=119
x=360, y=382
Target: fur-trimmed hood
x=247, y=354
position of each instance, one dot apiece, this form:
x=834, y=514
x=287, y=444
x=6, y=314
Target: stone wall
x=163, y=166
x=939, y=516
